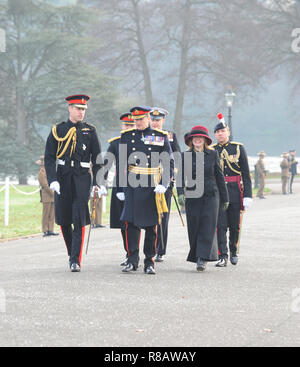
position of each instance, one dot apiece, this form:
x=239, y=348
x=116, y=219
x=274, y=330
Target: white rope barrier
x=23, y=192
x=6, y=197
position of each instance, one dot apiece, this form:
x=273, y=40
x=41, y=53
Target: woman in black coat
x=202, y=210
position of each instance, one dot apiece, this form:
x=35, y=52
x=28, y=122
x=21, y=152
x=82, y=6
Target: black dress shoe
x=149, y=270
x=45, y=234
x=128, y=268
x=98, y=226
x=75, y=268
x=50, y=233
x=234, y=260
x=159, y=258
x=201, y=264
x=222, y=263
x=124, y=263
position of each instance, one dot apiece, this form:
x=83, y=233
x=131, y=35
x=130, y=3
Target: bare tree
x=126, y=28
x=218, y=43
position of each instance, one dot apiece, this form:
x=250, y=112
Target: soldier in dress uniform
x=293, y=168
x=116, y=205
x=142, y=185
x=234, y=163
x=47, y=198
x=70, y=148
x=285, y=172
x=261, y=173
x=97, y=222
x=158, y=116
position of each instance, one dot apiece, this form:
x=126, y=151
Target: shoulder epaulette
x=59, y=123
x=235, y=142
x=126, y=131
x=162, y=131
x=91, y=125
x=113, y=139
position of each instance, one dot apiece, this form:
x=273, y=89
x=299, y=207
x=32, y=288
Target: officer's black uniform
x=73, y=175
x=293, y=171
x=158, y=113
x=116, y=205
x=140, y=211
x=234, y=163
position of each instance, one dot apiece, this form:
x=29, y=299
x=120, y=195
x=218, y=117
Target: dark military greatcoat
x=72, y=170
x=140, y=206
x=234, y=163
x=116, y=206
x=161, y=249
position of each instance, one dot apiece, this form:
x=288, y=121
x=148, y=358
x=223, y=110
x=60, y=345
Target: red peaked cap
x=127, y=118
x=78, y=99
x=197, y=131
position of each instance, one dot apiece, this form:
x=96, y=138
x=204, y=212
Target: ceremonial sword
x=92, y=217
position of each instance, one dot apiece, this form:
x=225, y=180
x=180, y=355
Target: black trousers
x=124, y=240
x=229, y=219
x=74, y=238
x=161, y=250
x=132, y=238
x=74, y=235
x=291, y=183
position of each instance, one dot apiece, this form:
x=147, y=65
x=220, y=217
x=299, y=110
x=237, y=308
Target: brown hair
x=206, y=145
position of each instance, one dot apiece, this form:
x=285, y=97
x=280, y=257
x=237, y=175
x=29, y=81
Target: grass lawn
x=25, y=213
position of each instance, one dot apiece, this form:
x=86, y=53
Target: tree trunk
x=182, y=71
x=22, y=139
x=143, y=58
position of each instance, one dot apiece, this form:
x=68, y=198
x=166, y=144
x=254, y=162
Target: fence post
x=6, y=202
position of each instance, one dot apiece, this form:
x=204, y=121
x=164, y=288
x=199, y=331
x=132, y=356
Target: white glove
x=247, y=202
x=120, y=196
x=102, y=191
x=160, y=189
x=55, y=186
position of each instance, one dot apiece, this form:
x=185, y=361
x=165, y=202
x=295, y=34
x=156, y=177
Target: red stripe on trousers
x=238, y=242
x=126, y=238
x=82, y=240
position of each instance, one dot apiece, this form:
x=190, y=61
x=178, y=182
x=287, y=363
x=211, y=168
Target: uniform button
x=132, y=141
x=133, y=134
x=135, y=157
x=133, y=148
x=147, y=164
x=149, y=148
x=153, y=134
x=148, y=156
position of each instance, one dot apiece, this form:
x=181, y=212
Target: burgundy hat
x=197, y=131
